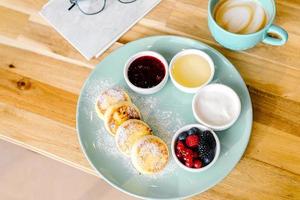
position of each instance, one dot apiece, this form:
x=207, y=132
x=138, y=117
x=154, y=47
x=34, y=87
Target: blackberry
x=208, y=138
x=203, y=149
x=182, y=136
x=207, y=157
x=205, y=134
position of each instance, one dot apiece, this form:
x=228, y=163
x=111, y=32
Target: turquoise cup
x=238, y=42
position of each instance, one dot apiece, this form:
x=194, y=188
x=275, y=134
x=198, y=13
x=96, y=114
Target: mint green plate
x=165, y=111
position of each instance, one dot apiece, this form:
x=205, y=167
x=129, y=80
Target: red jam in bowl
x=146, y=72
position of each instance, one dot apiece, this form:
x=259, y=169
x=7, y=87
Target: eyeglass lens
x=91, y=7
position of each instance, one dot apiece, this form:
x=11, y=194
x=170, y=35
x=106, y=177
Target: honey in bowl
x=191, y=70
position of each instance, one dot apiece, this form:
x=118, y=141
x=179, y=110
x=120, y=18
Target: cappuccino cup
x=242, y=24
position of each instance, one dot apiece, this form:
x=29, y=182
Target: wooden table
x=41, y=76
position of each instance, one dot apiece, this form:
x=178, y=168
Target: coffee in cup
x=242, y=24
x=240, y=16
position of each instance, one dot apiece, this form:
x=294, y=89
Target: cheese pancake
x=108, y=98
x=119, y=113
x=149, y=154
x=129, y=132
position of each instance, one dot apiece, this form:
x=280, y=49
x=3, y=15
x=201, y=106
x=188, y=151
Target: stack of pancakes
x=134, y=138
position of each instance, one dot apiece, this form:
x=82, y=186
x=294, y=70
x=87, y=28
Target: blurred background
x=25, y=175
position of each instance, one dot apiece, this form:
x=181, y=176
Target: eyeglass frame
x=75, y=3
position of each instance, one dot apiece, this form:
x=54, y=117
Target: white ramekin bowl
x=202, y=128
x=235, y=103
x=151, y=90
x=188, y=52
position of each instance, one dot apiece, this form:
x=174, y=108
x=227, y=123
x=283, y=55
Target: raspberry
x=195, y=154
x=189, y=163
x=197, y=164
x=188, y=152
x=192, y=141
x=178, y=154
x=188, y=158
x=180, y=146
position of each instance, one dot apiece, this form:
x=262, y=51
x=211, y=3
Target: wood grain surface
x=41, y=75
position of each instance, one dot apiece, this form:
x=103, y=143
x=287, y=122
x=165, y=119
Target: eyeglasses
x=93, y=7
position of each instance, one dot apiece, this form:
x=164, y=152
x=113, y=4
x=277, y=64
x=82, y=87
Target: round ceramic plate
x=165, y=112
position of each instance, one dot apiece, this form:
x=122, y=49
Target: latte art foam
x=240, y=16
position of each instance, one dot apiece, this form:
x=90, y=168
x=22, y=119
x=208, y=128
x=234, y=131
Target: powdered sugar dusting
x=163, y=122
x=122, y=134
x=150, y=148
x=92, y=93
x=110, y=96
x=129, y=131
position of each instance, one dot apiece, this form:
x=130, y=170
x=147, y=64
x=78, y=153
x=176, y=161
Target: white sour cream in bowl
x=216, y=106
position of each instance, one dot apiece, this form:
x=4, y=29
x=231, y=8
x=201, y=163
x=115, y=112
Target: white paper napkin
x=91, y=35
